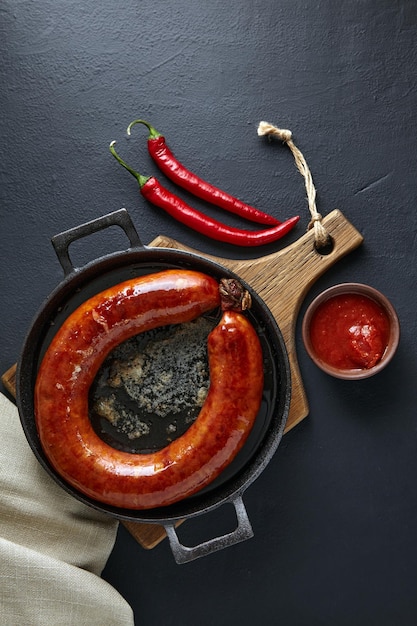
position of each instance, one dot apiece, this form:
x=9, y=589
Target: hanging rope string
x=320, y=233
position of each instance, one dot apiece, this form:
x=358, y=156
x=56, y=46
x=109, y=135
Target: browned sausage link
x=141, y=481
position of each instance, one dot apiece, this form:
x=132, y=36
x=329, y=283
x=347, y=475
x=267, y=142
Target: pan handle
x=184, y=554
x=62, y=241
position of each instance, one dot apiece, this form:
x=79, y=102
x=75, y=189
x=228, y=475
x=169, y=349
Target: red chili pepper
x=154, y=192
x=180, y=175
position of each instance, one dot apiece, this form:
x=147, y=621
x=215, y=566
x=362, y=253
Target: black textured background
x=335, y=512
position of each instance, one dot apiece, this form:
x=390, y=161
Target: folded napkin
x=52, y=547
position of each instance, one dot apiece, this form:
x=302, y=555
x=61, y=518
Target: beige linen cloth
x=52, y=548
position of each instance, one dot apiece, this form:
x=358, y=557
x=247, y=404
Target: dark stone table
x=335, y=512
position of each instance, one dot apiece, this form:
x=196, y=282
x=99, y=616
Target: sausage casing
x=71, y=362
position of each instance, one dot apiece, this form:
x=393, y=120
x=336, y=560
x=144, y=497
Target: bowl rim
x=367, y=291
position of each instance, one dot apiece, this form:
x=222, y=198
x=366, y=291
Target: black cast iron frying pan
x=80, y=284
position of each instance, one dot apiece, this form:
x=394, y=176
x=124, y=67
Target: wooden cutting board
x=282, y=280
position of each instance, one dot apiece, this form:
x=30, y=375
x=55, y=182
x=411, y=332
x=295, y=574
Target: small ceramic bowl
x=347, y=332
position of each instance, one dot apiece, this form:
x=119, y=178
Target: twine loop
x=320, y=234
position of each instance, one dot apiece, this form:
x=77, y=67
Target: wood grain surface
x=282, y=280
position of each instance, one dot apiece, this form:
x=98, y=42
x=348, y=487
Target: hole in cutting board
x=327, y=248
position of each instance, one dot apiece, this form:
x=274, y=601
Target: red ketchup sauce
x=350, y=331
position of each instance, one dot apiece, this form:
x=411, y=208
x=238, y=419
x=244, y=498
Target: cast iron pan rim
x=25, y=380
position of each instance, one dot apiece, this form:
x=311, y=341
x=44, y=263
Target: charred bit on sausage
x=233, y=296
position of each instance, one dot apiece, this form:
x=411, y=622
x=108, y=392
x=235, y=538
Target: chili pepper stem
x=139, y=177
x=153, y=133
